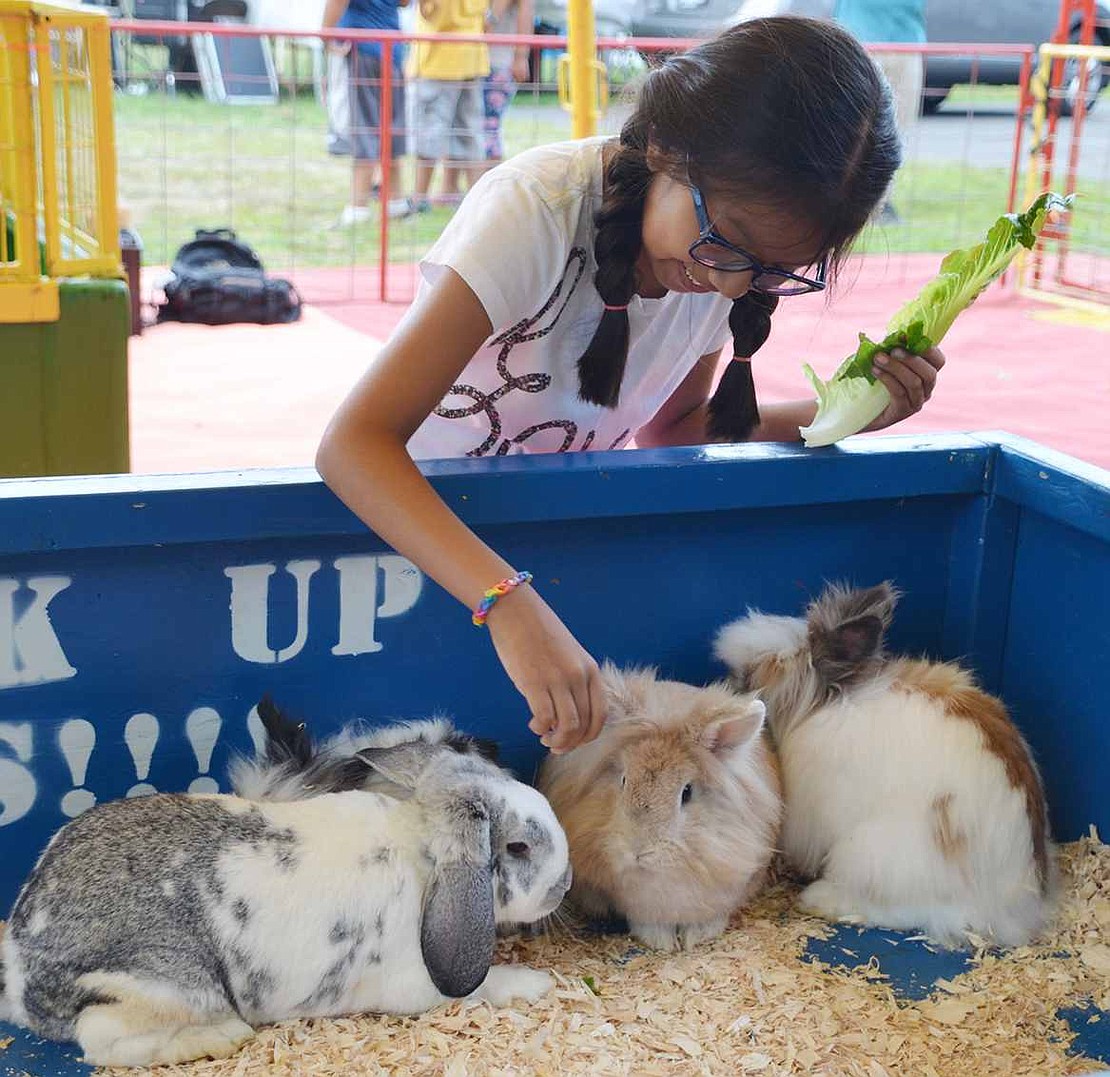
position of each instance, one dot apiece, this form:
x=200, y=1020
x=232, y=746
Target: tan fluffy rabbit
x=672, y=814
x=911, y=798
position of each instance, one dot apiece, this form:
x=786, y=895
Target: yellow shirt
x=445, y=62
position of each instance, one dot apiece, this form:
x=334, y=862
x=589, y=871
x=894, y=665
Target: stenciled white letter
x=18, y=787
x=359, y=606
x=250, y=606
x=30, y=651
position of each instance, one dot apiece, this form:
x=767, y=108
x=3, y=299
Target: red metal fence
x=188, y=162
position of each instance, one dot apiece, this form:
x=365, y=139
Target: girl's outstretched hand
x=559, y=680
x=910, y=380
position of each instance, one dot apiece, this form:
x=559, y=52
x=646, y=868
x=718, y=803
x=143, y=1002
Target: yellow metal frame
x=57, y=154
x=582, y=79
x=1041, y=87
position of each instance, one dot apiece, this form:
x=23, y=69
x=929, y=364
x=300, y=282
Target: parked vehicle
x=996, y=22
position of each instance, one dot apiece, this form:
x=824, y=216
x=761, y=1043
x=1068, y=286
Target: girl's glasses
x=715, y=252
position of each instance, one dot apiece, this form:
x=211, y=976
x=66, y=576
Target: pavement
x=248, y=396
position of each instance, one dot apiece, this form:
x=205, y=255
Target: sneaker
x=399, y=208
x=350, y=216
x=354, y=215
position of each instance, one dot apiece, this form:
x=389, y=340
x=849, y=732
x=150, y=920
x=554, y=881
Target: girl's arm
x=909, y=378
x=363, y=458
x=333, y=12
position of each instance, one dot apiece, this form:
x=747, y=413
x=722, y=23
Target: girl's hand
x=558, y=679
x=910, y=380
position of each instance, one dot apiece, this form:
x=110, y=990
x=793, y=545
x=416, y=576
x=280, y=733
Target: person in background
x=508, y=68
x=891, y=22
x=365, y=71
x=447, y=107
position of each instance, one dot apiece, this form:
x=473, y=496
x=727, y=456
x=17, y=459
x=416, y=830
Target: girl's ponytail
x=733, y=411
x=616, y=249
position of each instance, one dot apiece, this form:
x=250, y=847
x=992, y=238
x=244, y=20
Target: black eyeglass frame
x=747, y=261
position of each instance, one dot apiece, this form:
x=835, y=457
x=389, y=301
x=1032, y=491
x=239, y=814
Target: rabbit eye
x=519, y=849
x=687, y=793
x=624, y=780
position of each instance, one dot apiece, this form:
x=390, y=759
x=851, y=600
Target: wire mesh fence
x=227, y=126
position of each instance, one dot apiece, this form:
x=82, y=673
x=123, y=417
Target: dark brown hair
x=784, y=111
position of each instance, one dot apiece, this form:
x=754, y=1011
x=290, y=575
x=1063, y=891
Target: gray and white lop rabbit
x=161, y=929
x=911, y=798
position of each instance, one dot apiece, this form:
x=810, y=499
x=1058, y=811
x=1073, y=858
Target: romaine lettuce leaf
x=853, y=397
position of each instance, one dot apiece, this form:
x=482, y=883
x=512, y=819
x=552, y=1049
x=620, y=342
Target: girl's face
x=670, y=226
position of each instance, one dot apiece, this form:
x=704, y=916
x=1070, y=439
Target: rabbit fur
x=911, y=798
x=672, y=813
x=293, y=766
x=161, y=929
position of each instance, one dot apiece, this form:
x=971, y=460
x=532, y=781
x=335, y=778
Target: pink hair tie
x=607, y=307
x=498, y=590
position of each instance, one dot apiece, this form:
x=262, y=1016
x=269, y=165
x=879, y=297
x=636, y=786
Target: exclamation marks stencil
x=202, y=727
x=257, y=731
x=76, y=739
x=140, y=736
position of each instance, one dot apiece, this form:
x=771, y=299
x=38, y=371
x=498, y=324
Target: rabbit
x=672, y=813
x=294, y=767
x=912, y=800
x=161, y=929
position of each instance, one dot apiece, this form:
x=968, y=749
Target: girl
x=582, y=293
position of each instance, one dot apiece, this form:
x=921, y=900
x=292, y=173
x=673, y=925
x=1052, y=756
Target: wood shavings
x=745, y=1004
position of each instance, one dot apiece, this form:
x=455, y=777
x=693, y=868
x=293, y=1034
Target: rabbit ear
x=457, y=931
x=736, y=730
x=401, y=764
x=286, y=739
x=846, y=630
x=626, y=689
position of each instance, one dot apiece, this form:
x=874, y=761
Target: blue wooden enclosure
x=142, y=618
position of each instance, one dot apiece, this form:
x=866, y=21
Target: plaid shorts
x=447, y=120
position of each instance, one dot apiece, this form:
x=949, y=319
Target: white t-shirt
x=523, y=241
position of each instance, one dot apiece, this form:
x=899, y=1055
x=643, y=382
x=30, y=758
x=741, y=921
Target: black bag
x=218, y=280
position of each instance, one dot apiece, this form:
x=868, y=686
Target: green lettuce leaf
x=853, y=397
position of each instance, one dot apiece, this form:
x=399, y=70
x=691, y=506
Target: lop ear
x=457, y=930
x=737, y=730
x=401, y=764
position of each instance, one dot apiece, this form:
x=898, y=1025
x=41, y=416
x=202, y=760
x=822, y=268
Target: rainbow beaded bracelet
x=498, y=590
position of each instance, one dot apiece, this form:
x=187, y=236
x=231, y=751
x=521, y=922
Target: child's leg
x=434, y=113
x=468, y=129
x=497, y=92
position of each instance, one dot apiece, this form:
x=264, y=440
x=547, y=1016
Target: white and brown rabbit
x=672, y=813
x=911, y=798
x=161, y=929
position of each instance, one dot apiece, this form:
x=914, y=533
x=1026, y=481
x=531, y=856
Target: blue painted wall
x=142, y=618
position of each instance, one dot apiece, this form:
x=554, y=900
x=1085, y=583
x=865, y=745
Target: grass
x=185, y=163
